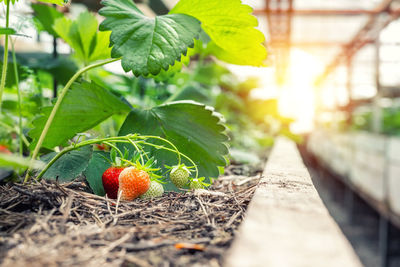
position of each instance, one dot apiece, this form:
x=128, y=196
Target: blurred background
x=331, y=83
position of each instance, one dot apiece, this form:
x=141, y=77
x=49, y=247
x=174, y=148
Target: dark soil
x=48, y=224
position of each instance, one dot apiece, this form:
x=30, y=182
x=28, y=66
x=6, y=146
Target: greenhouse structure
x=243, y=133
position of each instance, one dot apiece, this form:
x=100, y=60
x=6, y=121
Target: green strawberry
x=156, y=190
x=196, y=184
x=179, y=175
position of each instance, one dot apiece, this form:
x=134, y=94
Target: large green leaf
x=68, y=166
x=10, y=76
x=231, y=28
x=15, y=161
x=147, y=45
x=93, y=173
x=61, y=68
x=195, y=129
x=9, y=31
x=82, y=35
x=84, y=106
x=45, y=17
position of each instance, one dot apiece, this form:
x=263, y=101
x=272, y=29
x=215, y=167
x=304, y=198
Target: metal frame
x=280, y=12
x=280, y=28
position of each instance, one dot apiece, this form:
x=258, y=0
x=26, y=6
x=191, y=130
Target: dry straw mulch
x=48, y=224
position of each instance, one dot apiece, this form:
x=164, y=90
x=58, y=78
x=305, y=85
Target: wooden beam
x=287, y=223
x=360, y=39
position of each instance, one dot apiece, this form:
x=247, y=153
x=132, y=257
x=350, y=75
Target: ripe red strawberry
x=102, y=147
x=111, y=182
x=133, y=183
x=4, y=150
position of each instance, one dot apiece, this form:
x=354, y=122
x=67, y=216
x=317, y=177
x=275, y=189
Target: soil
x=48, y=224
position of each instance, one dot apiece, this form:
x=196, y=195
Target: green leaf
x=230, y=26
x=15, y=161
x=11, y=31
x=94, y=172
x=147, y=45
x=82, y=35
x=62, y=68
x=194, y=128
x=8, y=31
x=166, y=75
x=57, y=2
x=45, y=17
x=84, y=106
x=194, y=92
x=10, y=76
x=69, y=166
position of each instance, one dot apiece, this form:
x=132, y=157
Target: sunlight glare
x=296, y=97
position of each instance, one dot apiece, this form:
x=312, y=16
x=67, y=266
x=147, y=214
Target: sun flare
x=297, y=97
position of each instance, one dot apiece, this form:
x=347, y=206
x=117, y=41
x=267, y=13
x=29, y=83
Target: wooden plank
x=394, y=149
x=394, y=187
x=287, y=224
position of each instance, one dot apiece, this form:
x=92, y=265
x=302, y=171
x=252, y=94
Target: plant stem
x=77, y=146
x=5, y=57
x=57, y=105
x=119, y=139
x=168, y=142
x=172, y=150
x=138, y=150
x=21, y=147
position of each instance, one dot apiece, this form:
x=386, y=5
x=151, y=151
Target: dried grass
x=48, y=224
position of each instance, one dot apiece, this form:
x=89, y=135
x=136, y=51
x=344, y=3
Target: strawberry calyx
x=149, y=166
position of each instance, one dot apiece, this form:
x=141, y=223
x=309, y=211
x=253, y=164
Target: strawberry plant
x=179, y=133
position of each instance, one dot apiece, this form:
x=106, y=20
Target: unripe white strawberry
x=156, y=190
x=196, y=184
x=179, y=176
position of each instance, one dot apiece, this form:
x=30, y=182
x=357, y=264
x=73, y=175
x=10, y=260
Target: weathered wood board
x=287, y=223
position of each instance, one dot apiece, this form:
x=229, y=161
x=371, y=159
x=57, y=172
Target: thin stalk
x=5, y=57
x=179, y=153
x=57, y=105
x=21, y=147
x=115, y=147
x=119, y=139
x=138, y=150
x=168, y=142
x=77, y=146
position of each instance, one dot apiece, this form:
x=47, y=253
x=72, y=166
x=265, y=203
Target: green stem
x=10, y=128
x=179, y=153
x=57, y=105
x=138, y=150
x=116, y=149
x=119, y=139
x=77, y=146
x=5, y=57
x=21, y=147
x=168, y=142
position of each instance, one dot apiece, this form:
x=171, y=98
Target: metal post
x=376, y=110
x=384, y=239
x=55, y=55
x=349, y=87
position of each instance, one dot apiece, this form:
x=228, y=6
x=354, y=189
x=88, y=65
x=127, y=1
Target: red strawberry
x=133, y=183
x=4, y=149
x=102, y=147
x=111, y=182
